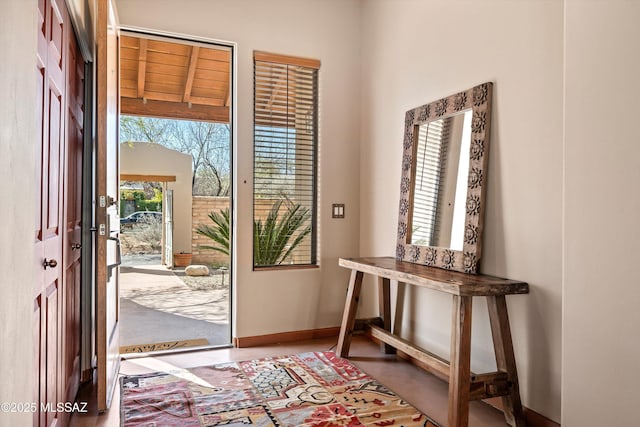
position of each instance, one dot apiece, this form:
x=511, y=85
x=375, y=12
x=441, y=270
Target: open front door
x=107, y=216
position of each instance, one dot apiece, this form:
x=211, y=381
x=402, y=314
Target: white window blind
x=285, y=160
x=431, y=153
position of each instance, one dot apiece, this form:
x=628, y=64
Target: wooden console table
x=463, y=385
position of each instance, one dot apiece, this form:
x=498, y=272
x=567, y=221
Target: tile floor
x=424, y=391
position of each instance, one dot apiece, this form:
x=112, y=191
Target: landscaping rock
x=196, y=270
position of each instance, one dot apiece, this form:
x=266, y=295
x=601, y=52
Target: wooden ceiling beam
x=191, y=72
x=142, y=66
x=203, y=100
x=174, y=80
x=174, y=110
x=163, y=96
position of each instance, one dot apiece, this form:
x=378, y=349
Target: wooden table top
x=451, y=282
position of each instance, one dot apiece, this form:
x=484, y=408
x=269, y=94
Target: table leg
x=384, y=307
x=460, y=373
x=505, y=358
x=349, y=315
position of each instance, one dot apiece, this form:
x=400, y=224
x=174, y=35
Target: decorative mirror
x=442, y=191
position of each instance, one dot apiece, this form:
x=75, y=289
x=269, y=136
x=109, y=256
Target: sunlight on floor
x=156, y=365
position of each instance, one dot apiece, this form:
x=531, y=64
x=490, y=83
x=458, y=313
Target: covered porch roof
x=176, y=80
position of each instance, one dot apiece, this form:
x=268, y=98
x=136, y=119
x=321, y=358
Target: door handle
x=118, y=252
x=118, y=259
x=49, y=263
x=75, y=246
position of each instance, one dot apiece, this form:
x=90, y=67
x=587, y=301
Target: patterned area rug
x=309, y=389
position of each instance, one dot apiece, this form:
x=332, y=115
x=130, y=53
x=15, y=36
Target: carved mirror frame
x=478, y=99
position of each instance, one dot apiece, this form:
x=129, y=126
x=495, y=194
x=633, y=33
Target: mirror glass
x=443, y=179
x=440, y=184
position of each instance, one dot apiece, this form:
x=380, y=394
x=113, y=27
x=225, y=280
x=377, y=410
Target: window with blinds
x=285, y=161
x=431, y=152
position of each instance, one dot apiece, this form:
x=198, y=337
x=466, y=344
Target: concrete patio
x=157, y=306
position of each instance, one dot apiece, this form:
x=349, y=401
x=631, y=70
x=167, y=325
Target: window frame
x=312, y=66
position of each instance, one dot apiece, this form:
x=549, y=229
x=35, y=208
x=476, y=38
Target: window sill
x=285, y=267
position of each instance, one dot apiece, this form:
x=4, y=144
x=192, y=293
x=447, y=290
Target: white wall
x=278, y=301
x=18, y=140
x=417, y=51
x=601, y=348
x=143, y=158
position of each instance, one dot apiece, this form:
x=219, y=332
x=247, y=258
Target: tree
x=207, y=143
x=145, y=129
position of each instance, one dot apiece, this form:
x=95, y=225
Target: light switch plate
x=337, y=210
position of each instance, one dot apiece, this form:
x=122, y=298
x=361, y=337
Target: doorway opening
x=175, y=198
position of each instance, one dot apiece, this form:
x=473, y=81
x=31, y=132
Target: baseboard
x=309, y=334
x=270, y=339
x=535, y=419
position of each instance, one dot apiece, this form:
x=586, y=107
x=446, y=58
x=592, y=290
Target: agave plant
x=276, y=238
x=218, y=233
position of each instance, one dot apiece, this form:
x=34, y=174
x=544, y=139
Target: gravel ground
x=217, y=279
x=130, y=260
x=136, y=251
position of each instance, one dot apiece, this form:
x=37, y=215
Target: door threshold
x=128, y=356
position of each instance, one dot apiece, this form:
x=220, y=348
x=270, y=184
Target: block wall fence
x=202, y=206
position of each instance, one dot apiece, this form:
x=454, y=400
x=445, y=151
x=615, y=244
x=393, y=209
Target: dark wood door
x=56, y=308
x=48, y=224
x=73, y=217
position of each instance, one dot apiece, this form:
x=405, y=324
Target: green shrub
x=274, y=239
x=141, y=202
x=219, y=233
